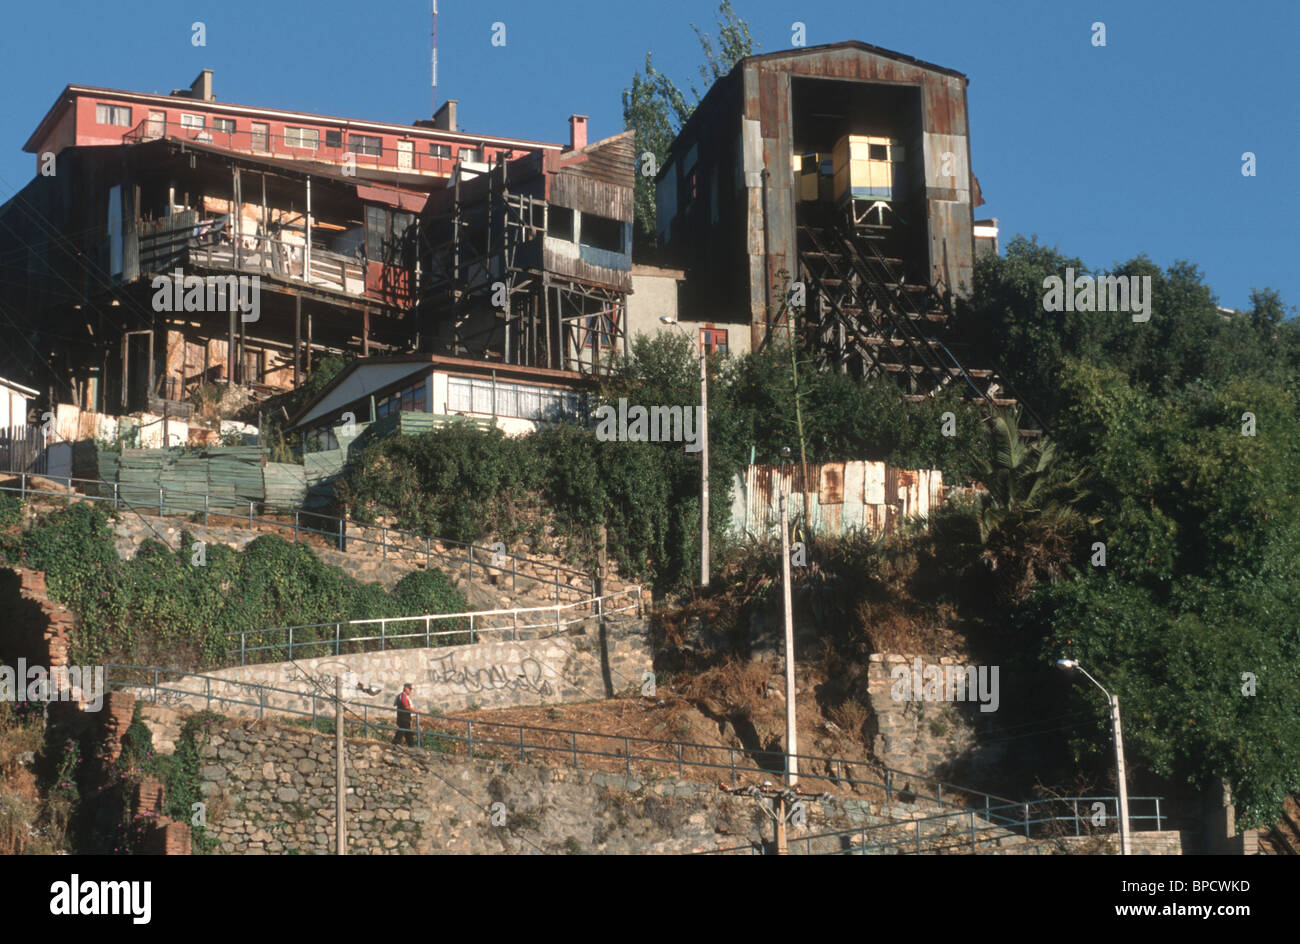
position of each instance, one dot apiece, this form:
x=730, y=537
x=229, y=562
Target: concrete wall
x=554, y=670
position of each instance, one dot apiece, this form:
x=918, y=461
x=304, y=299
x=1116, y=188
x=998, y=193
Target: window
x=261, y=132
x=384, y=231
x=878, y=152
x=193, y=121
x=439, y=150
x=366, y=144
x=601, y=328
x=560, y=223
x=521, y=401
x=113, y=115
x=334, y=138
x=224, y=125
x=307, y=138
x=600, y=232
x=713, y=340
x=471, y=154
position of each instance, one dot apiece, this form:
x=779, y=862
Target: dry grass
x=29, y=823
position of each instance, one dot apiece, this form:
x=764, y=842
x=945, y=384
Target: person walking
x=404, y=705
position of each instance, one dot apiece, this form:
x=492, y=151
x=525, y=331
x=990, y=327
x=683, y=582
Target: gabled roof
x=26, y=391
x=366, y=375
x=803, y=51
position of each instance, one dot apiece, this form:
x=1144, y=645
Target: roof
x=27, y=391
x=198, y=104
x=365, y=375
x=611, y=160
x=804, y=51
x=689, y=129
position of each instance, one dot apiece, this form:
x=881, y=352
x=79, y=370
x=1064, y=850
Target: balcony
x=185, y=239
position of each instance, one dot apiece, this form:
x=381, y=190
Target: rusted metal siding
x=842, y=497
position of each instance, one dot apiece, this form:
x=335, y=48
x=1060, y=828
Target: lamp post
x=1125, y=847
x=704, y=455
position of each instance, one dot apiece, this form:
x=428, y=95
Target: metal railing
x=332, y=637
x=625, y=755
x=364, y=154
x=391, y=540
x=967, y=830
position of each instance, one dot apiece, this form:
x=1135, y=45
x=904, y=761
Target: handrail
x=488, y=559
x=337, y=640
x=273, y=145
x=897, y=784
x=972, y=835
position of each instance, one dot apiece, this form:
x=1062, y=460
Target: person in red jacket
x=405, y=733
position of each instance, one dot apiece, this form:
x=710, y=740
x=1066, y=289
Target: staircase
x=1284, y=837
x=864, y=317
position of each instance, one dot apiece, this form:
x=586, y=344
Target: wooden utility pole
x=340, y=782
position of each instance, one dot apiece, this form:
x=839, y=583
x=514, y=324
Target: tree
x=1029, y=516
x=656, y=109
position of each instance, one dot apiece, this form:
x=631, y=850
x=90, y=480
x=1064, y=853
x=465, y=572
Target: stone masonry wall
x=270, y=789
x=917, y=734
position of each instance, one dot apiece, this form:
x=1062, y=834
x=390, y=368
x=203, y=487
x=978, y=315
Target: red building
x=132, y=188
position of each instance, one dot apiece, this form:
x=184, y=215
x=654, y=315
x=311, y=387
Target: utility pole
x=704, y=455
x=704, y=466
x=340, y=783
x=791, y=733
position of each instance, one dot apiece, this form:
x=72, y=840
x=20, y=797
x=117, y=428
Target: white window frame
x=301, y=132
x=111, y=111
x=194, y=122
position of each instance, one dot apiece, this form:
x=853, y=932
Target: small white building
x=15, y=401
x=517, y=399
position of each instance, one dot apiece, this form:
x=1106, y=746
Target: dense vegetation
x=160, y=609
x=1192, y=619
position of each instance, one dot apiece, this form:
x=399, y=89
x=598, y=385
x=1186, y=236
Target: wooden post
x=230, y=343
x=297, y=337
x=306, y=252
x=306, y=370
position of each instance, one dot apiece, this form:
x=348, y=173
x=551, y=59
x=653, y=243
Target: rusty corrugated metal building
x=845, y=169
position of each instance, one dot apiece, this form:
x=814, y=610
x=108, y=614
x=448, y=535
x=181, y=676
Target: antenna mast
x=434, y=63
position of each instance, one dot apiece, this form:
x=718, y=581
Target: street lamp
x=704, y=456
x=1113, y=701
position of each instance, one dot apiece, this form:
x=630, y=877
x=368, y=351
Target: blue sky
x=1104, y=152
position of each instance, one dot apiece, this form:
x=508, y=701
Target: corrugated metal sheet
x=844, y=496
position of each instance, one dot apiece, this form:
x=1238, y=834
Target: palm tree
x=1028, y=516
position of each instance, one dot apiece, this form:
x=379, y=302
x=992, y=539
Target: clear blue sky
x=1105, y=152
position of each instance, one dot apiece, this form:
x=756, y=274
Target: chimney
x=444, y=119
x=577, y=132
x=201, y=87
